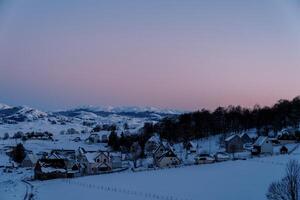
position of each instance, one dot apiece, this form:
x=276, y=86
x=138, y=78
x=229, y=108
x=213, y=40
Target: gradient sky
x=165, y=53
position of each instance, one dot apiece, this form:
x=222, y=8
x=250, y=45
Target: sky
x=169, y=54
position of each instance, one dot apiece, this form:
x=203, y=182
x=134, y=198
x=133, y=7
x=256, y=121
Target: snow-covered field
x=233, y=180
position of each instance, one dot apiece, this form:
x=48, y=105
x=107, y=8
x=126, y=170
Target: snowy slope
x=232, y=180
x=4, y=106
x=23, y=118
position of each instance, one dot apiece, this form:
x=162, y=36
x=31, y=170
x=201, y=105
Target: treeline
x=222, y=120
x=230, y=119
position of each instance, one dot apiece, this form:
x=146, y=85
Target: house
x=104, y=138
x=284, y=150
x=152, y=144
x=160, y=150
x=245, y=138
x=167, y=159
x=46, y=169
x=191, y=147
x=116, y=159
x=93, y=139
x=30, y=160
x=96, y=162
x=262, y=145
x=69, y=156
x=234, y=144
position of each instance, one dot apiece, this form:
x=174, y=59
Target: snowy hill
x=134, y=112
x=20, y=114
x=4, y=106
x=18, y=117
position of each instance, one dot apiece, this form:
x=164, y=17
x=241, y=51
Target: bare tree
x=287, y=188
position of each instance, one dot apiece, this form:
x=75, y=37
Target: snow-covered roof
x=230, y=138
x=115, y=154
x=91, y=156
x=260, y=141
x=154, y=138
x=32, y=157
x=193, y=144
x=55, y=156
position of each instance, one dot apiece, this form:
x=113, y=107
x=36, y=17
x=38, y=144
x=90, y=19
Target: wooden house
x=234, y=144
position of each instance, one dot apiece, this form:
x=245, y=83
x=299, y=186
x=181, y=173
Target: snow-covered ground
x=244, y=179
x=234, y=180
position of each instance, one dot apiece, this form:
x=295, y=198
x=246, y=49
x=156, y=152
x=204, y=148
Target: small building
x=46, y=169
x=167, y=159
x=93, y=139
x=284, y=150
x=29, y=160
x=245, y=138
x=191, y=147
x=234, y=144
x=104, y=138
x=262, y=145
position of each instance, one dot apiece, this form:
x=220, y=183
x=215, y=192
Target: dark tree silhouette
x=18, y=153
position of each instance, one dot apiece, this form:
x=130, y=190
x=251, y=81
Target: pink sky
x=173, y=54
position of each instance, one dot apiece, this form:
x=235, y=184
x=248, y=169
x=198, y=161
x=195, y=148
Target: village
x=157, y=154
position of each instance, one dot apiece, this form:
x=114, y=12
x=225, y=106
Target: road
x=29, y=190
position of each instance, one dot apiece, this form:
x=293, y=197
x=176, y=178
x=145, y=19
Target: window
x=104, y=160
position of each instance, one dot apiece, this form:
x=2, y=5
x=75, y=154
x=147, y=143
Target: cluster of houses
x=261, y=145
x=62, y=163
x=75, y=163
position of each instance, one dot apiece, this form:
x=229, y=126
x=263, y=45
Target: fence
x=114, y=189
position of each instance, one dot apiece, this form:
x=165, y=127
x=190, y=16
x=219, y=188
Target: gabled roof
x=31, y=157
x=260, y=141
x=165, y=146
x=231, y=137
x=193, y=144
x=55, y=156
x=244, y=135
x=92, y=156
x=155, y=138
x=169, y=153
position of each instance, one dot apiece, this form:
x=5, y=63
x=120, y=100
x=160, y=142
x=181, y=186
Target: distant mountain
x=10, y=114
x=16, y=114
x=4, y=106
x=135, y=112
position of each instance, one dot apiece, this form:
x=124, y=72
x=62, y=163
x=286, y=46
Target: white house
x=98, y=162
x=262, y=145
